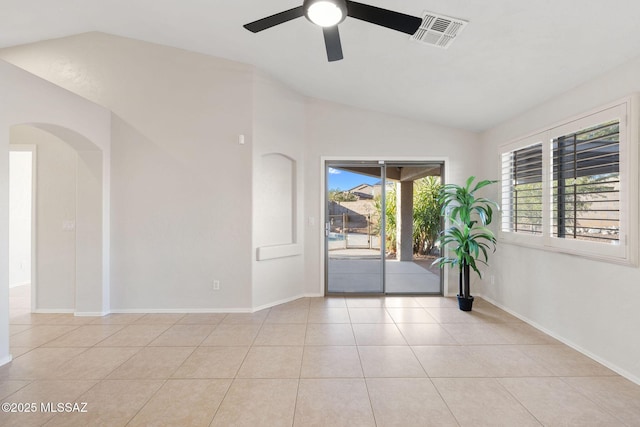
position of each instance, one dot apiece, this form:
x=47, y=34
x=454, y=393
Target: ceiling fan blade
x=332, y=42
x=273, y=20
x=386, y=18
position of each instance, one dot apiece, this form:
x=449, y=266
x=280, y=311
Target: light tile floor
x=394, y=361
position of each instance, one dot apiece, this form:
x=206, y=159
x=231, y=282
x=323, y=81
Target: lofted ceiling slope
x=512, y=55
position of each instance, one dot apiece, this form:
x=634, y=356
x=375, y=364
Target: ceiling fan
x=329, y=13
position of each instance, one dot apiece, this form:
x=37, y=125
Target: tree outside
x=426, y=215
x=390, y=218
x=337, y=195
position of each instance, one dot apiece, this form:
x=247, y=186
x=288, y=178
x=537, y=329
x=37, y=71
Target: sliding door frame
x=382, y=161
x=383, y=220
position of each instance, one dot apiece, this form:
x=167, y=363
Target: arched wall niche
x=276, y=207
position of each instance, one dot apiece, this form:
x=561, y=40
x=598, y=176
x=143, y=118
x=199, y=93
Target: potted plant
x=468, y=238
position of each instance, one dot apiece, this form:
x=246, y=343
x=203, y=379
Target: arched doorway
x=68, y=273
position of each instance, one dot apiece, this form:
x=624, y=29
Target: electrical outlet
x=216, y=285
x=493, y=279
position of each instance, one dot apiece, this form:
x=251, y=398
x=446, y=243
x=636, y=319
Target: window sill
x=537, y=242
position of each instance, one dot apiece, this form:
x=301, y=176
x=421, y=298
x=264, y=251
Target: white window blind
x=574, y=187
x=522, y=190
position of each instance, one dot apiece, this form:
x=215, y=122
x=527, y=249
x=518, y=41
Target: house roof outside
x=361, y=187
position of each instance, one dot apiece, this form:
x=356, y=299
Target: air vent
x=438, y=30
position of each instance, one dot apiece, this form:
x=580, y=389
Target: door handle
x=327, y=228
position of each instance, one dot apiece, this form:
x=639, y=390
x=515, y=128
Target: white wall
x=177, y=118
x=20, y=193
x=28, y=99
x=339, y=131
x=55, y=205
x=181, y=183
x=278, y=184
x=588, y=304
x=89, y=269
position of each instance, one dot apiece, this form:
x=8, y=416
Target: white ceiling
x=512, y=56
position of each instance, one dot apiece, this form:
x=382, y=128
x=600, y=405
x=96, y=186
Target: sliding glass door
x=381, y=221
x=354, y=228
x=414, y=221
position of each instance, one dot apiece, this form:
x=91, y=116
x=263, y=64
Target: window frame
x=626, y=250
x=514, y=236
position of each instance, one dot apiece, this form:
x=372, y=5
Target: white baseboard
x=179, y=310
x=175, y=310
x=274, y=303
x=205, y=310
x=54, y=311
x=90, y=313
x=314, y=295
x=613, y=367
x=6, y=360
x=286, y=300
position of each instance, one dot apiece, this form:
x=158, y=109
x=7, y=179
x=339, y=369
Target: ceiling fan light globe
x=325, y=13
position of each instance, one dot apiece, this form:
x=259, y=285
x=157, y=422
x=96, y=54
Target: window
x=571, y=188
x=586, y=184
x=522, y=190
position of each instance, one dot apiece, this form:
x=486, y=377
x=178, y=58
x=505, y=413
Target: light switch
x=68, y=225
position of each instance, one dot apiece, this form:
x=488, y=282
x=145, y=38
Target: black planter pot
x=465, y=304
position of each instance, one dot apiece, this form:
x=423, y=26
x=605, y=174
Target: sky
x=343, y=180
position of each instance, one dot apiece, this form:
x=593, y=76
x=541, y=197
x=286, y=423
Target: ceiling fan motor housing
x=331, y=5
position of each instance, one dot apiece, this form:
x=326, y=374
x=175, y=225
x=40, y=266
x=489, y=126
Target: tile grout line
x=203, y=379
x=443, y=399
x=299, y=379
x=497, y=380
x=146, y=402
x=235, y=377
x=158, y=389
x=364, y=378
x=602, y=408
